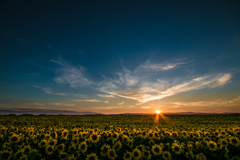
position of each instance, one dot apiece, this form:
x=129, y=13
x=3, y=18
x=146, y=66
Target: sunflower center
x=14, y=139
x=60, y=147
x=75, y=141
x=43, y=143
x=50, y=149
x=65, y=134
x=92, y=158
x=112, y=154
x=177, y=149
x=83, y=146
x=94, y=137
x=105, y=149
x=211, y=145
x=224, y=143
x=156, y=149
x=51, y=143
x=114, y=136
x=165, y=155
x=136, y=154
x=127, y=155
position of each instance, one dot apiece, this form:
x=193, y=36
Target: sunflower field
x=120, y=137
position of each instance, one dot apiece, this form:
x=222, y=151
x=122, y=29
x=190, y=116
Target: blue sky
x=120, y=56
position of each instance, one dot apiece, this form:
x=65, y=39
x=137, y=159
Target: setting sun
x=157, y=111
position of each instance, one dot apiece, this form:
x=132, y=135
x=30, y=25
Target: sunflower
x=77, y=154
x=198, y=144
x=117, y=146
x=156, y=136
x=5, y=155
x=144, y=134
x=237, y=133
x=234, y=141
x=206, y=139
x=104, y=150
x=71, y=148
x=166, y=155
x=43, y=143
x=60, y=147
x=150, y=135
x=157, y=149
x=235, y=158
x=146, y=154
x=127, y=156
x=115, y=136
x=82, y=147
x=111, y=154
x=184, y=133
x=27, y=149
x=151, y=142
x=219, y=146
x=189, y=155
x=177, y=149
x=75, y=132
x=24, y=157
x=49, y=150
x=63, y=155
x=223, y=133
x=52, y=142
x=125, y=139
x=75, y=141
x=14, y=138
x=71, y=157
x=18, y=154
x=94, y=138
x=140, y=147
x=201, y=156
x=224, y=142
x=212, y=146
x=136, y=154
x=92, y=156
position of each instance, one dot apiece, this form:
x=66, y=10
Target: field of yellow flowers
x=120, y=137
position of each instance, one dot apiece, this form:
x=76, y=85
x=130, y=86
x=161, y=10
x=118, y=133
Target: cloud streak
x=148, y=66
x=88, y=100
x=227, y=103
x=106, y=96
x=49, y=91
x=149, y=91
x=72, y=75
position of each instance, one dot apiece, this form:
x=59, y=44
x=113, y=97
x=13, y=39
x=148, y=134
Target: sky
x=119, y=56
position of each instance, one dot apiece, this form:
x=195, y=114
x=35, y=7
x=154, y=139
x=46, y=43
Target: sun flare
x=158, y=111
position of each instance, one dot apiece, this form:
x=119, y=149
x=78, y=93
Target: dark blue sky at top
x=106, y=36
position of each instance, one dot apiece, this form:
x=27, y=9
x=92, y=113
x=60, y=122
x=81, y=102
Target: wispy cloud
x=72, y=75
x=49, y=91
x=47, y=104
x=106, y=96
x=148, y=91
x=46, y=90
x=219, y=102
x=148, y=66
x=121, y=103
x=61, y=104
x=89, y=100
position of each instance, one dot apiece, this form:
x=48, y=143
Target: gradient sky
x=120, y=56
